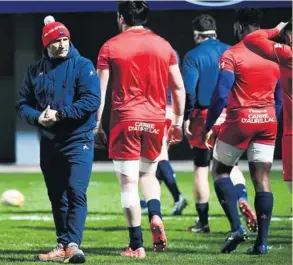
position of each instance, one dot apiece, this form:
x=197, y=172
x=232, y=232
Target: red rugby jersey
x=139, y=62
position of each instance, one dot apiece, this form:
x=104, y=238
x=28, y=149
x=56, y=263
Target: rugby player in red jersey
x=249, y=85
x=141, y=65
x=260, y=43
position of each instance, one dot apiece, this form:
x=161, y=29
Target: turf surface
x=27, y=231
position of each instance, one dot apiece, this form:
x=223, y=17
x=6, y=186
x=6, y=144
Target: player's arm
x=103, y=71
x=190, y=78
x=104, y=75
x=278, y=99
x=260, y=43
x=26, y=104
x=219, y=98
x=178, y=96
x=88, y=91
x=178, y=93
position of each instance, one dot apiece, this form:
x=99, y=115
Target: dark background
x=89, y=31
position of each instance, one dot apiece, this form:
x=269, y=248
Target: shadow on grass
x=21, y=251
x=48, y=212
x=116, y=251
x=100, y=213
x=52, y=228
x=9, y=259
x=194, y=215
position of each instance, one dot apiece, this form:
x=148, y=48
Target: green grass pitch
x=26, y=231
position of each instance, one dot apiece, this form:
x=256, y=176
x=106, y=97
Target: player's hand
x=44, y=121
x=281, y=26
x=206, y=138
x=187, y=132
x=51, y=115
x=101, y=140
x=174, y=135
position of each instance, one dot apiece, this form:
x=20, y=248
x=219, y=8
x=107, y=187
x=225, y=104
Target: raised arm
x=260, y=43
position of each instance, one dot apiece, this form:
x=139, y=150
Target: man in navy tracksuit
x=60, y=95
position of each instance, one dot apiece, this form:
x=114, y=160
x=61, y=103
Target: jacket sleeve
x=190, y=78
x=26, y=104
x=220, y=97
x=88, y=91
x=224, y=85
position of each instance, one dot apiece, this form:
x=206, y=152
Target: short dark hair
x=204, y=22
x=135, y=13
x=249, y=16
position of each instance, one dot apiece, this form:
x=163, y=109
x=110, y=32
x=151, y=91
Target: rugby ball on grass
x=12, y=198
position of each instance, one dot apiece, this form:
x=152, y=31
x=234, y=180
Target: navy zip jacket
x=70, y=84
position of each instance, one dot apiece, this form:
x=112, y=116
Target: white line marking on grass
x=111, y=217
x=107, y=166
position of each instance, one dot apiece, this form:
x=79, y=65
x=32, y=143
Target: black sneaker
x=199, y=228
x=234, y=239
x=257, y=250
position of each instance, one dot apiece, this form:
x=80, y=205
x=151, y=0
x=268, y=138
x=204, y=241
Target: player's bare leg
x=129, y=191
x=201, y=193
x=128, y=174
x=246, y=210
x=166, y=174
x=201, y=188
x=260, y=157
x=151, y=191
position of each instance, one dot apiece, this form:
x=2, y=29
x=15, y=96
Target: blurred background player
x=165, y=171
x=200, y=75
x=140, y=75
x=60, y=95
x=260, y=43
x=251, y=123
